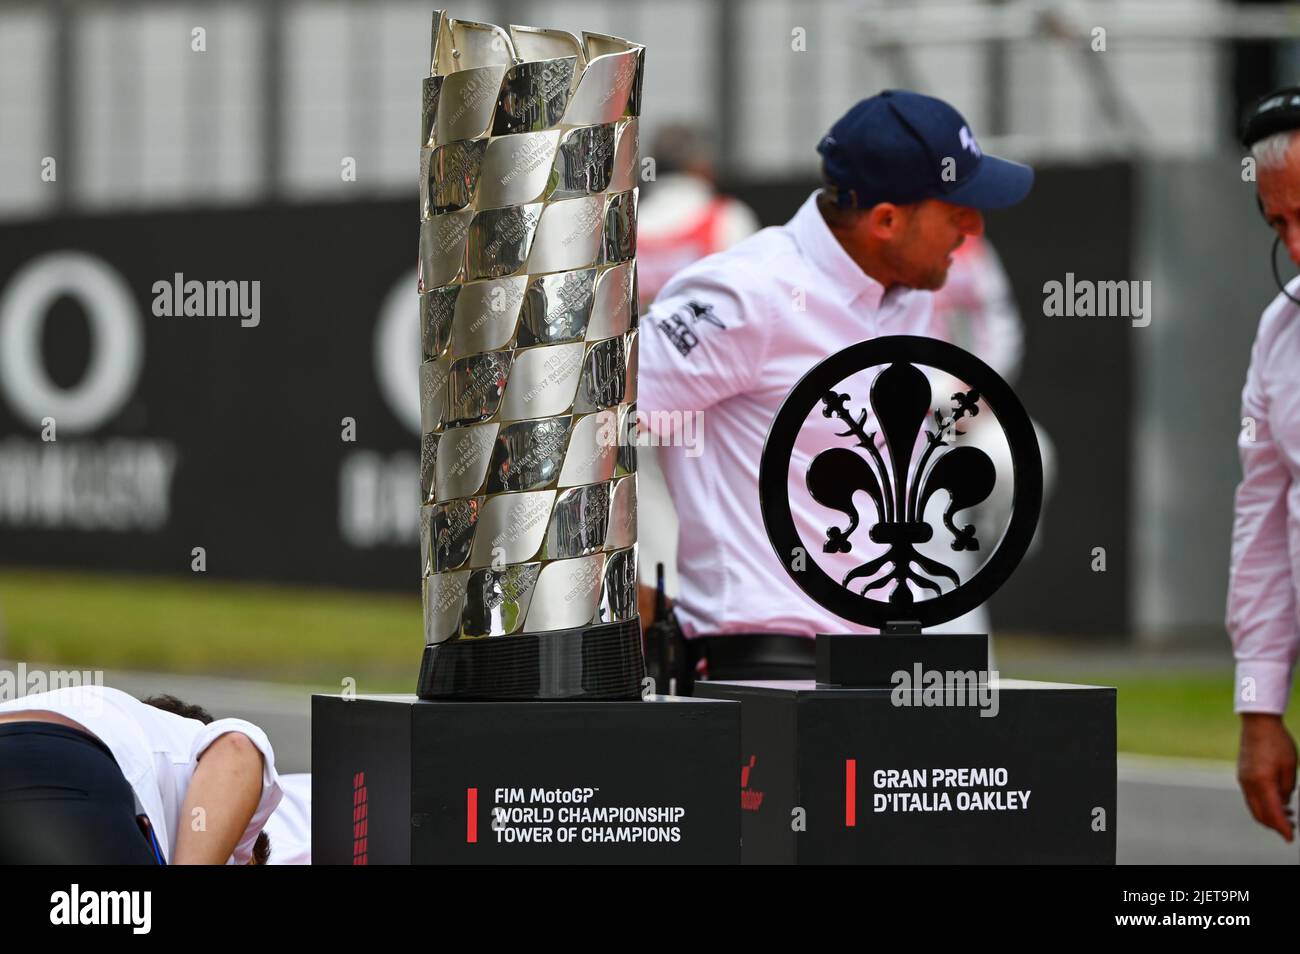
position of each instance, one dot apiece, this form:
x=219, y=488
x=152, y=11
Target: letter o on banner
x=116, y=349
x=397, y=351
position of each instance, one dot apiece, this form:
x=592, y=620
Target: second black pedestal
x=975, y=771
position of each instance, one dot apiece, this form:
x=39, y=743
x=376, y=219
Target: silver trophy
x=528, y=316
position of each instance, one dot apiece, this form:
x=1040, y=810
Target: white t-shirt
x=157, y=752
x=730, y=336
x=289, y=826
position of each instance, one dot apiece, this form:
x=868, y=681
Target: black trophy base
x=851, y=661
x=398, y=780
x=943, y=766
x=589, y=662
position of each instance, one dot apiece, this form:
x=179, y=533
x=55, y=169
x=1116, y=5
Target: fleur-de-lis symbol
x=964, y=403
x=900, y=400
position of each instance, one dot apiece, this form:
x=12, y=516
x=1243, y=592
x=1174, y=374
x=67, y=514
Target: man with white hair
x=1265, y=570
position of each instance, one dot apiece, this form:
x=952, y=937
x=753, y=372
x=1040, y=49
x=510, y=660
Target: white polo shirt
x=729, y=337
x=157, y=752
x=289, y=827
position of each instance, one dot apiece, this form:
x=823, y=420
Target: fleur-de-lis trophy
x=527, y=277
x=900, y=455
x=878, y=749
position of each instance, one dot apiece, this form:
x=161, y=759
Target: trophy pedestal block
x=399, y=780
x=1012, y=772
x=845, y=660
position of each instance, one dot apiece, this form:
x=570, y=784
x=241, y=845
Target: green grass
x=295, y=634
x=317, y=636
x=1182, y=714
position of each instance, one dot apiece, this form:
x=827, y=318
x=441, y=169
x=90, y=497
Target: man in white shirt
x=1263, y=612
x=93, y=775
x=729, y=337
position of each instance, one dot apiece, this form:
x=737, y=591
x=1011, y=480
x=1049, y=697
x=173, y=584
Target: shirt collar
x=820, y=247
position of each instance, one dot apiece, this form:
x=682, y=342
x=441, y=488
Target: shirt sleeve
x=271, y=790
x=1261, y=616
x=700, y=343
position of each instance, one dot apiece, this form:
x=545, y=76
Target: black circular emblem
x=900, y=473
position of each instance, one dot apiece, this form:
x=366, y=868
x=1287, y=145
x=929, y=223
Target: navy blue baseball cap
x=901, y=147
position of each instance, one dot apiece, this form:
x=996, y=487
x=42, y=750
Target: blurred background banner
x=283, y=447
x=282, y=438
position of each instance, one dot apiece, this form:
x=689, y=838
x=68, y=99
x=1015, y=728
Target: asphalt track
x=1171, y=811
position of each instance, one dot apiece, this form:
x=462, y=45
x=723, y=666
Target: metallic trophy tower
x=527, y=281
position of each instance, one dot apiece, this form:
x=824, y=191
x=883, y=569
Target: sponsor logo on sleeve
x=680, y=326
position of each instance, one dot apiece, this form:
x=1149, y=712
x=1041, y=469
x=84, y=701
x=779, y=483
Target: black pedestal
x=397, y=780
x=851, y=661
x=883, y=775
x=589, y=662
